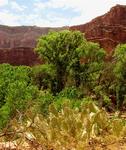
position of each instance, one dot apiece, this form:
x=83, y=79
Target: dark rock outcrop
x=108, y=30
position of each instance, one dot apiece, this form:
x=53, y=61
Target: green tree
x=120, y=73
x=59, y=49
x=91, y=64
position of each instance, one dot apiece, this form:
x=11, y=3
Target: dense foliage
x=16, y=91
x=65, y=50
x=59, y=50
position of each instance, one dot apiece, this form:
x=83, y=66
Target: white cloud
x=35, y=19
x=3, y=2
x=16, y=6
x=46, y=13
x=50, y=4
x=88, y=9
x=7, y=18
x=40, y=5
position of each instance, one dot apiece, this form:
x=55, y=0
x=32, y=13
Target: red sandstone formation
x=19, y=56
x=108, y=30
x=17, y=43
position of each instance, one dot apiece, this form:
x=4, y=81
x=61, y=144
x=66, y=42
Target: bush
x=70, y=93
x=59, y=103
x=19, y=95
x=5, y=113
x=44, y=99
x=42, y=75
x=9, y=75
x=16, y=91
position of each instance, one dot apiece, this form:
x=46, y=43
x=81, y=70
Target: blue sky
x=52, y=13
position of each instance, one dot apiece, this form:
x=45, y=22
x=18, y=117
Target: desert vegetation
x=75, y=100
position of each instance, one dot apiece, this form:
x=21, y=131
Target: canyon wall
x=17, y=44
x=108, y=30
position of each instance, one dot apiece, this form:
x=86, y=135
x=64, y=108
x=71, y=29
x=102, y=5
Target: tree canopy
x=64, y=50
x=60, y=50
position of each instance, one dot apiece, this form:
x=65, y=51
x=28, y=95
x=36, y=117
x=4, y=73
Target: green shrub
x=19, y=94
x=16, y=91
x=19, y=98
x=44, y=99
x=9, y=75
x=70, y=93
x=42, y=75
x=73, y=103
x=5, y=112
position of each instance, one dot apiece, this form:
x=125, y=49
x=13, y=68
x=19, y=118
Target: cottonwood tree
x=59, y=49
x=65, y=50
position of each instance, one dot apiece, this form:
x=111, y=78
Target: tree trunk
x=58, y=83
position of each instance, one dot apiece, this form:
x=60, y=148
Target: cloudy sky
x=52, y=12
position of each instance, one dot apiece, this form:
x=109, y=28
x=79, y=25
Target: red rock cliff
x=109, y=29
x=17, y=44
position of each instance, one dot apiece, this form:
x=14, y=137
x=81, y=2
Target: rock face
x=17, y=44
x=108, y=30
x=19, y=56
